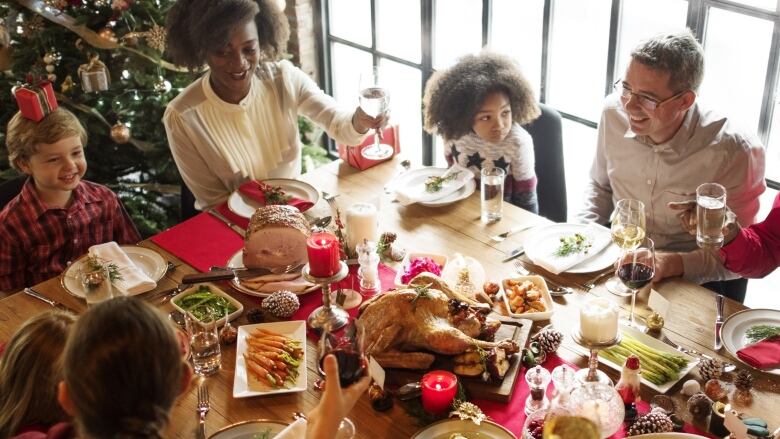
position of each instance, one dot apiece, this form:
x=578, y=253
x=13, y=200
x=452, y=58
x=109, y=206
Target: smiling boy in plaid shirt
x=57, y=216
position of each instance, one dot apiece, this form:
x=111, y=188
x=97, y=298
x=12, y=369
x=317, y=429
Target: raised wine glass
x=636, y=269
x=628, y=231
x=375, y=101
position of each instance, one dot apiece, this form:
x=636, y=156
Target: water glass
x=710, y=215
x=96, y=282
x=204, y=343
x=492, y=194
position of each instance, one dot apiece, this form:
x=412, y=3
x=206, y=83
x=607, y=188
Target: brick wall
x=303, y=44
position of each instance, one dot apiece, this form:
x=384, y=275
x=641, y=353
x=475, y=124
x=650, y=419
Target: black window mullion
x=373, y=33
x=695, y=20
x=547, y=23
x=770, y=85
x=487, y=18
x=321, y=16
x=426, y=21
x=614, y=36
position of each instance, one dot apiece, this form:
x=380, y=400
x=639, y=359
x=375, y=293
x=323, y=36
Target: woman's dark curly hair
x=196, y=27
x=454, y=96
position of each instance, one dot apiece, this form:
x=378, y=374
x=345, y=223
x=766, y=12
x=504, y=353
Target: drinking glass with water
x=204, y=342
x=710, y=215
x=492, y=194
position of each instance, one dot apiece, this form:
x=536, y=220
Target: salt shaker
x=368, y=273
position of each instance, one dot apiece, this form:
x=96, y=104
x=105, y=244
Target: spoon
x=177, y=317
x=405, y=164
x=321, y=222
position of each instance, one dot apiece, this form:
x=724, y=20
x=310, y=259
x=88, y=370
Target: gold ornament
x=94, y=75
x=51, y=77
x=31, y=27
x=107, y=34
x=67, y=84
x=161, y=85
x=655, y=322
x=155, y=38
x=467, y=410
x=120, y=133
x=56, y=4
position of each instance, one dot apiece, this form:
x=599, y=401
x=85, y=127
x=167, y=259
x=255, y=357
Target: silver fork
x=556, y=289
x=502, y=236
x=727, y=367
x=202, y=408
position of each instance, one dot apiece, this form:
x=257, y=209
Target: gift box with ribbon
x=353, y=154
x=35, y=101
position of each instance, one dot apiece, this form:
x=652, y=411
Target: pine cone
x=281, y=304
x=388, y=237
x=549, y=340
x=744, y=380
x=710, y=369
x=654, y=422
x=699, y=405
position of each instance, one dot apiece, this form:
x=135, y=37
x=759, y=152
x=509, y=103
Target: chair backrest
x=11, y=188
x=551, y=177
x=187, y=207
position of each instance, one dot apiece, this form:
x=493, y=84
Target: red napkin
x=762, y=355
x=254, y=190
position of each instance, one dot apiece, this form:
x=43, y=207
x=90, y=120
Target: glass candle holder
x=538, y=378
x=599, y=401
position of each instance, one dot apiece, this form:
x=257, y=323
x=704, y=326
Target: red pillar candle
x=438, y=391
x=323, y=251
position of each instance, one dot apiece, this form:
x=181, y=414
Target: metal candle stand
x=328, y=317
x=592, y=374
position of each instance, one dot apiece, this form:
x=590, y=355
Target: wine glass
x=374, y=101
x=636, y=269
x=628, y=231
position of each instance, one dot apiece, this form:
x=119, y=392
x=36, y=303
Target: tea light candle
x=323, y=251
x=438, y=391
x=598, y=321
x=361, y=223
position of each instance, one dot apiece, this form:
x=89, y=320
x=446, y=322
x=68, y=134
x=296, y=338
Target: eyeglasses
x=646, y=102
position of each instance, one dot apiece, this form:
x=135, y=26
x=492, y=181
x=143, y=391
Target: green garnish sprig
x=578, y=243
x=422, y=293
x=273, y=194
x=436, y=183
x=94, y=263
x=761, y=332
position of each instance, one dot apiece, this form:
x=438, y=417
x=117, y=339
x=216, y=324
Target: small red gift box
x=35, y=101
x=353, y=154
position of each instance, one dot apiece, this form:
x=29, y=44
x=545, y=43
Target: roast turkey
x=276, y=237
x=404, y=328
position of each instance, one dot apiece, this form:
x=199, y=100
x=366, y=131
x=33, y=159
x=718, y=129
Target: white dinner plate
x=243, y=384
x=461, y=194
x=418, y=177
x=237, y=261
x=732, y=333
x=445, y=428
x=543, y=238
x=655, y=344
x=147, y=260
x=244, y=206
x=251, y=430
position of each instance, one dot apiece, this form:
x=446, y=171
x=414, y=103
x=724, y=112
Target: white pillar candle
x=361, y=223
x=598, y=321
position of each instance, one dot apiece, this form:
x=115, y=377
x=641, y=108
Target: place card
x=658, y=303
x=376, y=372
x=735, y=425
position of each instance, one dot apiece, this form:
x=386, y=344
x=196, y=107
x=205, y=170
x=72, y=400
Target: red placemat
x=512, y=416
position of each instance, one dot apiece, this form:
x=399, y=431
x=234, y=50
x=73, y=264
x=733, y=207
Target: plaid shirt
x=38, y=243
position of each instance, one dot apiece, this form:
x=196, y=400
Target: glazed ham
x=276, y=237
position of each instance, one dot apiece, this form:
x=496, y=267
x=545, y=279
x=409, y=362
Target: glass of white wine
x=628, y=232
x=374, y=101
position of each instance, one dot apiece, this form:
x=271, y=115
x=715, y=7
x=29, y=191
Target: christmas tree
x=106, y=61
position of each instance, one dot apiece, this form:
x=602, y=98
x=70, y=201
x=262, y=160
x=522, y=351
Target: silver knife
x=514, y=253
x=718, y=320
x=39, y=296
x=231, y=224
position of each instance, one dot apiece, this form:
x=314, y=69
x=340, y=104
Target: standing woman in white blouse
x=239, y=120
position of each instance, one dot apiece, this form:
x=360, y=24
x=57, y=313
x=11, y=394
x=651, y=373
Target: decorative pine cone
x=388, y=237
x=281, y=304
x=699, y=405
x=710, y=369
x=549, y=340
x=255, y=315
x=654, y=422
x=744, y=380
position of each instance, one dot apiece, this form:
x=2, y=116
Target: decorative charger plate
x=245, y=207
x=418, y=177
x=732, y=333
x=445, y=428
x=237, y=261
x=147, y=260
x=251, y=430
x=541, y=240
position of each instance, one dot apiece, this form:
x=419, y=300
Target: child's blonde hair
x=30, y=370
x=23, y=135
x=123, y=370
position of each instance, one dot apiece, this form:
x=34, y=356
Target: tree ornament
x=100, y=3
x=56, y=4
x=51, y=77
x=710, y=368
x=52, y=57
x=107, y=34
x=255, y=315
x=744, y=380
x=381, y=401
x=654, y=422
x=655, y=322
x=628, y=384
x=549, y=340
x=466, y=410
x=281, y=304
x=120, y=5
x=155, y=38
x=32, y=26
x=663, y=402
x=94, y=75
x=699, y=405
x=50, y=68
x=714, y=390
x=387, y=250
x=67, y=84
x=161, y=85
x=691, y=387
x=120, y=133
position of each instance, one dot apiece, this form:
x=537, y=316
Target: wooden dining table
x=445, y=230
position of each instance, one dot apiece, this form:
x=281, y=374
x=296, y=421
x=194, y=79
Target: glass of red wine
x=636, y=269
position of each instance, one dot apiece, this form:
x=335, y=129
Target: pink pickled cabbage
x=419, y=265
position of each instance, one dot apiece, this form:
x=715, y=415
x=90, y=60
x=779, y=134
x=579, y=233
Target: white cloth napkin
x=598, y=236
x=296, y=430
x=134, y=280
x=410, y=194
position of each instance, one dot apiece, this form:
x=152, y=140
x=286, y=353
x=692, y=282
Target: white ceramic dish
x=541, y=285
x=461, y=194
x=237, y=261
x=244, y=206
x=217, y=292
x=147, y=260
x=736, y=325
x=444, y=428
x=418, y=177
x=250, y=430
x=543, y=238
x=439, y=259
x=655, y=344
x=246, y=386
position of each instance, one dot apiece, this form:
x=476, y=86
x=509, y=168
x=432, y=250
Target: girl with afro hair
x=478, y=106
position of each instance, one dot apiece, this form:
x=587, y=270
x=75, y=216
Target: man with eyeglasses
x=656, y=144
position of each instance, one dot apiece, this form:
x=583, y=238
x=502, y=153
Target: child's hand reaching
x=324, y=420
